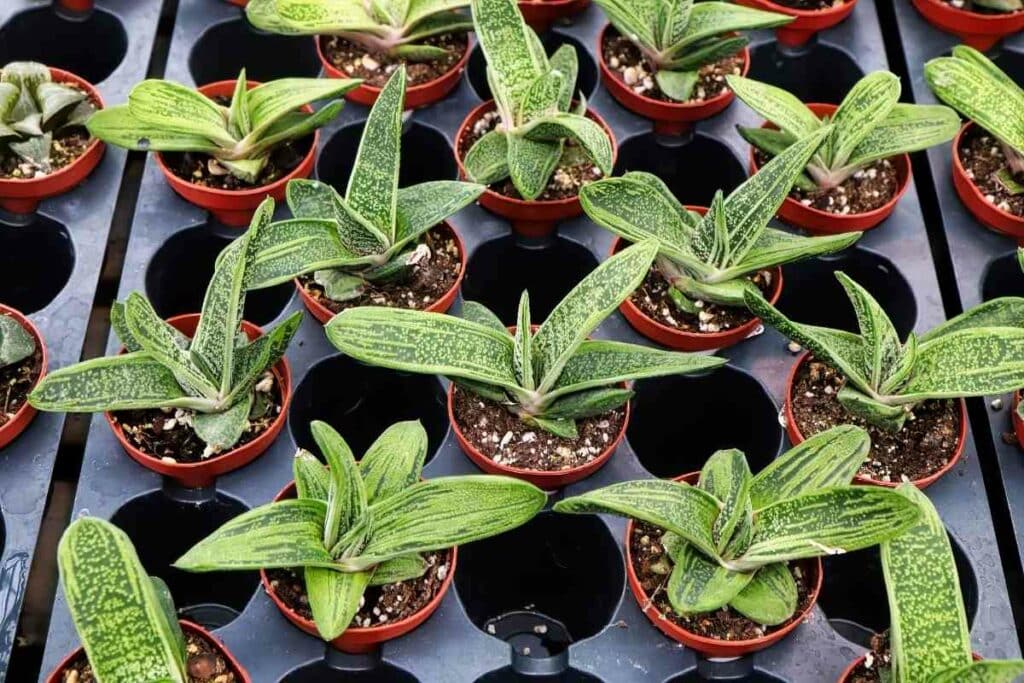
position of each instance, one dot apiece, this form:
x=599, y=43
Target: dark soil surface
x=869, y=671
x=509, y=441
x=982, y=158
x=167, y=434
x=922, y=447
x=381, y=604
x=432, y=278
x=633, y=69
x=653, y=567
x=969, y=6
x=67, y=145
x=203, y=169
x=205, y=665
x=16, y=381
x=652, y=298
x=376, y=68
x=809, y=4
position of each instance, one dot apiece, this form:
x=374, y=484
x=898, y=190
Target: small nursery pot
x=669, y=118
x=796, y=438
x=805, y=23
x=848, y=671
x=22, y=195
x=710, y=647
x=541, y=14
x=980, y=31
x=818, y=222
x=235, y=208
x=26, y=413
x=974, y=199
x=202, y=474
x=528, y=218
x=1018, y=424
x=241, y=675
x=324, y=314
x=356, y=640
x=416, y=96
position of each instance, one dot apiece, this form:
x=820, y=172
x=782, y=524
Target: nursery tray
x=563, y=572
x=51, y=259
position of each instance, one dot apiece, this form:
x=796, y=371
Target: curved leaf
x=970, y=362
x=346, y=497
x=394, y=461
x=334, y=598
x=117, y=126
x=486, y=161
x=588, y=134
x=1007, y=311
x=775, y=105
x=867, y=104
x=531, y=163
x=423, y=206
x=726, y=476
x=770, y=598
x=698, y=584
x=175, y=107
x=311, y=477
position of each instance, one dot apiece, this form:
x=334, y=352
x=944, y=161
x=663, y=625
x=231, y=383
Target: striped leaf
x=423, y=206
x=971, y=362
x=120, y=327
x=673, y=506
x=476, y=312
x=591, y=137
x=346, y=497
x=1007, y=311
x=673, y=17
x=899, y=374
x=239, y=122
x=541, y=98
x=394, y=462
x=989, y=671
x=566, y=62
x=866, y=105
x=587, y=403
x=890, y=418
x=709, y=19
x=486, y=161
x=726, y=476
x=882, y=347
x=710, y=51
x=506, y=42
x=334, y=598
x=222, y=429
x=770, y=598
x=398, y=569
x=636, y=19
x=312, y=480
x=260, y=355
x=522, y=356
x=907, y=128
x=175, y=107
x=287, y=249
x=117, y=609
x=272, y=100
x=698, y=584
x=310, y=17
x=825, y=460
x=118, y=126
x=284, y=534
x=776, y=248
x=294, y=125
x=775, y=105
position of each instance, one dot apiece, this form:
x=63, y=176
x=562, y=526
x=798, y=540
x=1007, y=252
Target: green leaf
x=770, y=598
x=690, y=219
x=487, y=160
x=423, y=206
x=287, y=249
x=882, y=347
x=223, y=429
x=346, y=499
x=775, y=248
x=312, y=479
x=394, y=462
x=399, y=569
x=989, y=671
x=531, y=163
x=118, y=126
x=476, y=312
x=310, y=17
x=971, y=362
x=726, y=476
x=258, y=356
x=867, y=104
x=334, y=598
x=877, y=414
x=522, y=355
x=420, y=10
x=170, y=613
x=117, y=610
x=1007, y=311
x=506, y=42
x=541, y=98
x=239, y=122
x=566, y=61
x=55, y=99
x=174, y=107
x=588, y=403
x=271, y=101
x=637, y=18
x=709, y=19
x=677, y=84
x=698, y=584
x=907, y=128
x=709, y=52
x=294, y=125
x=588, y=134
x=16, y=343
x=673, y=18
x=776, y=105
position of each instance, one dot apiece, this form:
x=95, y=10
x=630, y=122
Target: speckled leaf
x=310, y=17
x=398, y=569
x=239, y=122
x=715, y=18
x=588, y=403
x=899, y=373
x=690, y=219
x=989, y=671
x=258, y=356
x=907, y=128
x=222, y=429
x=776, y=105
x=286, y=249
x=116, y=608
x=506, y=42
x=858, y=405
x=487, y=160
x=677, y=83
x=174, y=107
x=16, y=343
x=776, y=248
x=591, y=137
x=531, y=163
x=423, y=206
x=770, y=598
x=699, y=584
x=478, y=313
x=117, y=126
x=394, y=462
x=566, y=61
x=312, y=480
x=294, y=125
x=541, y=97
x=270, y=101
x=314, y=199
x=673, y=18
x=726, y=476
x=422, y=9
x=636, y=19
x=522, y=356
x=867, y=104
x=882, y=347
x=971, y=362
x=1007, y=311
x=334, y=598
x=346, y=499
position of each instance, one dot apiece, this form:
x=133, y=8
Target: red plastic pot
x=416, y=96
x=528, y=218
x=796, y=438
x=236, y=207
x=76, y=6
x=1018, y=424
x=711, y=647
x=805, y=22
x=848, y=671
x=238, y=3
x=22, y=195
x=26, y=413
x=358, y=640
x=202, y=474
x=670, y=118
x=973, y=198
x=324, y=314
x=980, y=31
x=241, y=675
x=540, y=14
x=818, y=222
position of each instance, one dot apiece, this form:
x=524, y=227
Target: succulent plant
x=213, y=374
x=372, y=235
x=929, y=638
x=980, y=351
x=163, y=116
x=869, y=125
x=393, y=27
x=995, y=5
x=33, y=109
x=678, y=37
x=538, y=125
x=125, y=619
x=731, y=536
x=972, y=84
x=16, y=343
x=710, y=258
x=548, y=378
x=353, y=525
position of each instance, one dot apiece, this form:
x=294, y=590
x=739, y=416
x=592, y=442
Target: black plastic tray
x=565, y=572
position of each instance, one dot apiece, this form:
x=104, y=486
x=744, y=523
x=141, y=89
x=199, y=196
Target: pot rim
x=960, y=171
x=26, y=411
x=805, y=13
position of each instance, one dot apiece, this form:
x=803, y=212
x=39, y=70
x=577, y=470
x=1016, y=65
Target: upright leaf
x=523, y=352
x=770, y=598
x=334, y=598
x=505, y=39
x=866, y=105
x=312, y=479
x=394, y=461
x=346, y=499
x=726, y=476
x=882, y=347
x=698, y=584
x=776, y=105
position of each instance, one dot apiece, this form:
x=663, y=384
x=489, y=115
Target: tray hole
x=670, y=441
x=555, y=570
x=500, y=269
x=36, y=260
x=719, y=167
x=194, y=251
x=694, y=676
x=361, y=401
x=853, y=592
x=91, y=48
x=822, y=74
x=509, y=675
x=225, y=48
x=813, y=295
x=586, y=80
x=321, y=672
x=162, y=529
x=1002, y=277
x=1010, y=61
x=426, y=156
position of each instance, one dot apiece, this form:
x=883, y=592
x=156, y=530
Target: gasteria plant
x=164, y=116
x=550, y=378
x=33, y=109
x=354, y=525
x=929, y=638
x=393, y=27
x=372, y=234
x=678, y=37
x=869, y=125
x=710, y=258
x=980, y=351
x=731, y=535
x=16, y=343
x=533, y=96
x=213, y=374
